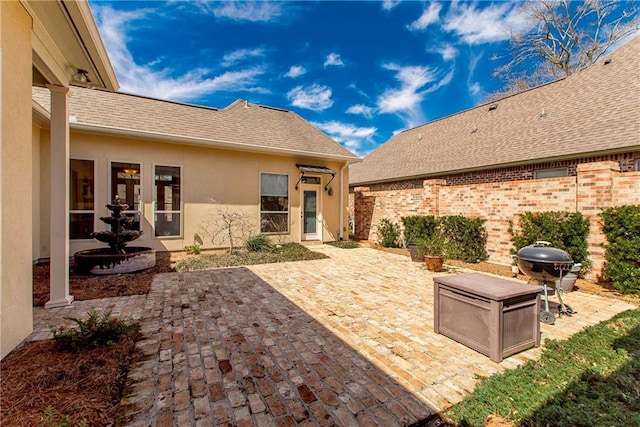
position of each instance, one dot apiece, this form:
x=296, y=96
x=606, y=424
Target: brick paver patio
x=342, y=341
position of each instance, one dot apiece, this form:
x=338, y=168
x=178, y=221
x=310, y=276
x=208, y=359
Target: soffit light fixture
x=81, y=76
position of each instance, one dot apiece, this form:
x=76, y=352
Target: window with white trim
x=167, y=201
x=550, y=173
x=274, y=203
x=81, y=201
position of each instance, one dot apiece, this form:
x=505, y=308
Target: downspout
x=341, y=233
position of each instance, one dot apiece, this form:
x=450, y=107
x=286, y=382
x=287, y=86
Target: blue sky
x=360, y=70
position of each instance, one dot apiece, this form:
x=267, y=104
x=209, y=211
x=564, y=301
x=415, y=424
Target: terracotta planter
x=433, y=263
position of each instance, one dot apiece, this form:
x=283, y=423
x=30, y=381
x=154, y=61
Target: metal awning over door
x=315, y=170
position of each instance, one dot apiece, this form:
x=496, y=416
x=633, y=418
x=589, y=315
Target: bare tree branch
x=563, y=37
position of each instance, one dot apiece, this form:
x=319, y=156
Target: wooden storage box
x=496, y=317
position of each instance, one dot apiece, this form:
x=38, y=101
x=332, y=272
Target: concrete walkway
x=342, y=341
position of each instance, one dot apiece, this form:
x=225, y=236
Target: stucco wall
x=596, y=186
x=230, y=178
x=15, y=177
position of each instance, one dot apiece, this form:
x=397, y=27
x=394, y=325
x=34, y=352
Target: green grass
x=593, y=379
x=344, y=244
x=284, y=253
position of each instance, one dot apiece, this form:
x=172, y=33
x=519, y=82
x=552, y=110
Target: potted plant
x=433, y=251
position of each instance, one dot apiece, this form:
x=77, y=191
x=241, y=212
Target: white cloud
x=429, y=16
x=488, y=24
x=447, y=51
x=295, y=71
x=236, y=56
x=406, y=99
x=362, y=110
x=350, y=136
x=253, y=11
x=314, y=97
x=473, y=86
x=333, y=59
x=145, y=80
x=390, y=4
x=415, y=83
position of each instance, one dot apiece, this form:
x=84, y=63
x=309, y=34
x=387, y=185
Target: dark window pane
x=274, y=223
x=274, y=203
x=80, y=225
x=167, y=224
x=125, y=182
x=167, y=182
x=81, y=185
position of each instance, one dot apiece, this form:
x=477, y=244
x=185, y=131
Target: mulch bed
x=41, y=384
x=85, y=287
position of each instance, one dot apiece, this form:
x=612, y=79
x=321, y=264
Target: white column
x=59, y=238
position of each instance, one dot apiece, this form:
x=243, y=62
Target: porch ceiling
x=65, y=39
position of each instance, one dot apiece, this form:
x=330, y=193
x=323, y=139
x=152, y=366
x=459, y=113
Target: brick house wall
x=590, y=187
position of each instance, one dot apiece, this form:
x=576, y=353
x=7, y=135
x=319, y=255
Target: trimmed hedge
x=418, y=227
x=621, y=225
x=564, y=230
x=464, y=238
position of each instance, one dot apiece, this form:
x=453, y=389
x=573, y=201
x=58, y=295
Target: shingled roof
x=596, y=111
x=240, y=126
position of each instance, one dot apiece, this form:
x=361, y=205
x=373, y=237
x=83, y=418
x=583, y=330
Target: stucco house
x=42, y=44
x=177, y=166
x=571, y=145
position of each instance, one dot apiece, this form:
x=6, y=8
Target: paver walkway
x=342, y=341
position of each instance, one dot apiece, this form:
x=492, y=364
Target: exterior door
x=311, y=224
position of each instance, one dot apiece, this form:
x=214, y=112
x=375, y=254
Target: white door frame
x=318, y=233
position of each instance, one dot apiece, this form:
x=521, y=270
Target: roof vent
x=493, y=107
x=607, y=61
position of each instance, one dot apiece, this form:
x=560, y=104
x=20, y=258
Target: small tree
x=389, y=233
x=226, y=225
x=559, y=38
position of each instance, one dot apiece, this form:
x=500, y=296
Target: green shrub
x=344, y=244
x=418, y=227
x=564, y=230
x=94, y=332
x=390, y=233
x=280, y=253
x=193, y=249
x=466, y=238
x=434, y=245
x=258, y=243
x=621, y=225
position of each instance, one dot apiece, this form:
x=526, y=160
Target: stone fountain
x=117, y=258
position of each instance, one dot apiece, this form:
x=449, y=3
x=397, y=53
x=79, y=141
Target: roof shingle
x=594, y=111
x=241, y=125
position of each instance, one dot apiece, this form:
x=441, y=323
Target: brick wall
x=594, y=186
